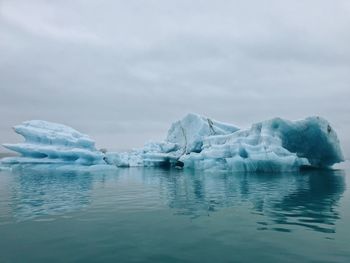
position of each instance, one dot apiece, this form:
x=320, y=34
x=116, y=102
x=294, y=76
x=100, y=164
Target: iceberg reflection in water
x=39, y=192
x=282, y=201
x=307, y=199
x=169, y=215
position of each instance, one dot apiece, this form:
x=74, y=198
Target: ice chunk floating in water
x=274, y=145
x=47, y=142
x=194, y=142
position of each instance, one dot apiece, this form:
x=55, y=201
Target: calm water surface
x=156, y=215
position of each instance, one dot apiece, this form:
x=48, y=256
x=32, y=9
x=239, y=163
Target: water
x=157, y=215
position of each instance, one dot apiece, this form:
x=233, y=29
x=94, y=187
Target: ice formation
x=274, y=145
x=193, y=142
x=47, y=142
x=184, y=137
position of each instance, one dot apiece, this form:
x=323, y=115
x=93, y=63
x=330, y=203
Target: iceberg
x=194, y=142
x=274, y=145
x=52, y=143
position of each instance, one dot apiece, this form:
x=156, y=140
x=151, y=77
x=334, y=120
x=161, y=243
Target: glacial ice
x=184, y=137
x=195, y=142
x=274, y=145
x=190, y=132
x=52, y=143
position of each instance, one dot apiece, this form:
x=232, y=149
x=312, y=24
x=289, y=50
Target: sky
x=123, y=71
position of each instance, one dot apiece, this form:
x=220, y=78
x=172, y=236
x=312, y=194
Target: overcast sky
x=122, y=71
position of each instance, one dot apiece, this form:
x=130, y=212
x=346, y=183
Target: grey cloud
x=122, y=71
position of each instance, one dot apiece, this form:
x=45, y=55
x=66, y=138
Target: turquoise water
x=157, y=215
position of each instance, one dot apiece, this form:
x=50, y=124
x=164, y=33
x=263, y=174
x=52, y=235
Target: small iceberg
x=52, y=143
x=195, y=142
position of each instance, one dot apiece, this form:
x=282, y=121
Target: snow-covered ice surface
x=195, y=142
x=52, y=143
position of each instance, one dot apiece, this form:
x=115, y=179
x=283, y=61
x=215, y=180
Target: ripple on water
x=131, y=203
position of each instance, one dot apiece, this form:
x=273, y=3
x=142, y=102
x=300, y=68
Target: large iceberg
x=195, y=142
x=274, y=145
x=47, y=142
